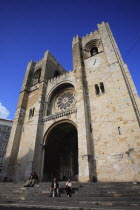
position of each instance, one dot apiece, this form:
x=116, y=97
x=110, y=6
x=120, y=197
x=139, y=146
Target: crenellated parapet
x=84, y=39
x=75, y=39
x=91, y=35
x=63, y=77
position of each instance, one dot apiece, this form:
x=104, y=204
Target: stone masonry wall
x=116, y=155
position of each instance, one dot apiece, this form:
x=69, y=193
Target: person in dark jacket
x=55, y=188
x=34, y=180
x=29, y=181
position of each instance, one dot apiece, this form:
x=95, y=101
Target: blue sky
x=30, y=27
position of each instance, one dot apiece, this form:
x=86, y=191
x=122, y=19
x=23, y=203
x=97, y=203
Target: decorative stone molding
x=92, y=43
x=60, y=114
x=34, y=87
x=65, y=100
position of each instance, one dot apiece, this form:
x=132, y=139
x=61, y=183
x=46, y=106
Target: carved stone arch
x=61, y=139
x=54, y=124
x=92, y=48
x=60, y=98
x=56, y=87
x=91, y=44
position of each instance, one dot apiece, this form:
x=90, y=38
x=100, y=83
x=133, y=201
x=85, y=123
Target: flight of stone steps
x=84, y=196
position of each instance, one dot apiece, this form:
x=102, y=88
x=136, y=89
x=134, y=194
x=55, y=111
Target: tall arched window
x=36, y=77
x=94, y=51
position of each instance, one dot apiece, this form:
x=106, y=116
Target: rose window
x=65, y=101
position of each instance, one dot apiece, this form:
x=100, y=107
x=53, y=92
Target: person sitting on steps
x=68, y=188
x=33, y=179
x=29, y=181
x=55, y=188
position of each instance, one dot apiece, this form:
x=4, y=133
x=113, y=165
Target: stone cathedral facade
x=83, y=124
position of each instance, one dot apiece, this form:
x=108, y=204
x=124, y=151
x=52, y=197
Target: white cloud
x=4, y=113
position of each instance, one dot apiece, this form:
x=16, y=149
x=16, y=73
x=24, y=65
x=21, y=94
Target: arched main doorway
x=61, y=152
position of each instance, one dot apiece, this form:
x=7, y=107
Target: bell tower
x=109, y=108
x=24, y=150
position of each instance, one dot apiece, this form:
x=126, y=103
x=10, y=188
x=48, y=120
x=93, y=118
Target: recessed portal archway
x=61, y=152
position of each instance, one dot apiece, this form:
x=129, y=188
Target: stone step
x=90, y=186
x=75, y=193
x=85, y=194
x=81, y=185
x=75, y=199
x=53, y=203
x=39, y=193
x=75, y=190
x=72, y=202
x=46, y=196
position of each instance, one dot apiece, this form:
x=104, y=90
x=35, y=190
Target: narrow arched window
x=102, y=87
x=94, y=51
x=119, y=131
x=31, y=112
x=36, y=77
x=97, y=90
